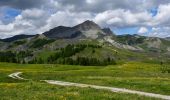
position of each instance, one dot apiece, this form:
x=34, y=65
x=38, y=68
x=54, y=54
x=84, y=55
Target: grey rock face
x=87, y=29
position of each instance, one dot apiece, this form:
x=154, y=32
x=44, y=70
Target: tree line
x=62, y=56
x=14, y=57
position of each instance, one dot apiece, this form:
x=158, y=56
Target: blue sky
x=145, y=17
x=129, y=30
x=134, y=30
x=154, y=11
x=9, y=14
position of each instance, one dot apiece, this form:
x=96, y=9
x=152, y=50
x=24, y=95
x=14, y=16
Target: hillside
x=86, y=42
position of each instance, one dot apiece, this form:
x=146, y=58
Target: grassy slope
x=133, y=75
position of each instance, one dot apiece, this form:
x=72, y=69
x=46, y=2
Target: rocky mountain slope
x=87, y=29
x=85, y=40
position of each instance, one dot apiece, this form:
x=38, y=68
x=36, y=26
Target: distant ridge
x=17, y=37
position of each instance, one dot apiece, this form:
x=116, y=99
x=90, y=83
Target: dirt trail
x=16, y=76
x=121, y=90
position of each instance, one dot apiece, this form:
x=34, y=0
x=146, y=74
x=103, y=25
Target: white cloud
x=142, y=30
x=28, y=22
x=1, y=22
x=6, y=28
x=163, y=16
x=122, y=18
x=90, y=1
x=33, y=13
x=160, y=32
x=114, y=20
x=160, y=23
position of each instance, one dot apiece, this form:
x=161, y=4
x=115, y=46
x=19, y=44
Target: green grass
x=42, y=91
x=45, y=54
x=145, y=77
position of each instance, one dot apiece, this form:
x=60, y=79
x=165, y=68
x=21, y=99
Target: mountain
x=108, y=31
x=17, y=37
x=58, y=32
x=86, y=26
x=87, y=29
x=84, y=42
x=151, y=44
x=167, y=38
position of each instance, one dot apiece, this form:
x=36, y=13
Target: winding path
x=16, y=76
x=121, y=90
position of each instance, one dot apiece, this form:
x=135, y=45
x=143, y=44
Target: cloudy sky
x=144, y=17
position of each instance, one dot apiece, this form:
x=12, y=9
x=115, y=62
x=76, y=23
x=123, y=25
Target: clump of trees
x=62, y=56
x=20, y=42
x=8, y=57
x=37, y=61
x=14, y=57
x=21, y=55
x=41, y=42
x=69, y=51
x=86, y=61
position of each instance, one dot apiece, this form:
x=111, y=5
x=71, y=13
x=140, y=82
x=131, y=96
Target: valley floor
x=144, y=77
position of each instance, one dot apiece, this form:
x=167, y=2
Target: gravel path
x=121, y=90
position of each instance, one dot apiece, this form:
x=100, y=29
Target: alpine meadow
x=84, y=50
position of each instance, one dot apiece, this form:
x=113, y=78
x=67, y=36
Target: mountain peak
x=87, y=29
x=88, y=22
x=87, y=25
x=108, y=31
